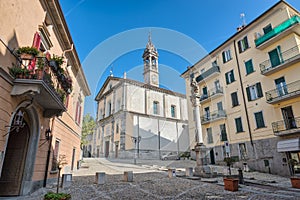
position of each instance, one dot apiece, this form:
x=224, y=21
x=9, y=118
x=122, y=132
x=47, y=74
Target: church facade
x=142, y=118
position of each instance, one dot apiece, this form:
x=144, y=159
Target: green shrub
x=28, y=50
x=57, y=196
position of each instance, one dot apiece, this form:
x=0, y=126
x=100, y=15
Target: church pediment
x=108, y=85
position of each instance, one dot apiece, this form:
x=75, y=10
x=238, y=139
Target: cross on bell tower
x=150, y=57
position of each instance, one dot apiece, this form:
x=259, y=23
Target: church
x=140, y=119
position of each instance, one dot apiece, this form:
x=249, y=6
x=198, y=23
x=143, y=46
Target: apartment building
x=42, y=92
x=250, y=88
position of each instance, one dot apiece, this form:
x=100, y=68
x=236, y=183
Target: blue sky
x=111, y=34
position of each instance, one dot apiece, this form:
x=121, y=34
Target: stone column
x=199, y=147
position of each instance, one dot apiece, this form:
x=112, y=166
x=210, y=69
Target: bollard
x=128, y=176
x=171, y=173
x=66, y=180
x=189, y=171
x=100, y=178
x=241, y=178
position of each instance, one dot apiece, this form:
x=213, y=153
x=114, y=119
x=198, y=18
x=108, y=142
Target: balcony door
x=207, y=113
x=288, y=117
x=275, y=57
x=281, y=86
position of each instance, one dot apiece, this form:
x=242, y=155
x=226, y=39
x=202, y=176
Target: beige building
x=140, y=116
x=41, y=101
x=250, y=88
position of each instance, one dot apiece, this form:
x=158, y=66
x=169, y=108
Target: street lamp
x=135, y=140
x=199, y=147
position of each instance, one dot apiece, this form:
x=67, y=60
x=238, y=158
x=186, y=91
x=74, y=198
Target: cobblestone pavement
x=151, y=182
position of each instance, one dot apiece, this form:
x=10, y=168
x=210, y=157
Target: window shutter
x=232, y=76
x=223, y=55
x=246, y=42
x=249, y=66
x=248, y=93
x=259, y=90
x=226, y=77
x=240, y=46
x=36, y=41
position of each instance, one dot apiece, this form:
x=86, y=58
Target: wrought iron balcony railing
x=48, y=83
x=277, y=30
x=214, y=69
x=211, y=93
x=283, y=92
x=216, y=115
x=285, y=59
x=285, y=127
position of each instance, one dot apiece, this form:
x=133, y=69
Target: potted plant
x=230, y=183
x=55, y=62
x=295, y=180
x=16, y=72
x=27, y=53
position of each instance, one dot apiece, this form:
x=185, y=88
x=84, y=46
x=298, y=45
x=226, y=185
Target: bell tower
x=150, y=57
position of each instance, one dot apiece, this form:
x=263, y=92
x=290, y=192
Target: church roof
x=101, y=93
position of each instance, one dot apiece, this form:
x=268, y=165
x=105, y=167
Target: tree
x=88, y=127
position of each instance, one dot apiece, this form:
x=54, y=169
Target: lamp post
x=135, y=140
x=199, y=147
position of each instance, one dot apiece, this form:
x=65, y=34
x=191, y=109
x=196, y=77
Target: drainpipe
x=48, y=155
x=243, y=94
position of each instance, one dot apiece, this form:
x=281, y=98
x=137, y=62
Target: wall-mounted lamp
x=48, y=134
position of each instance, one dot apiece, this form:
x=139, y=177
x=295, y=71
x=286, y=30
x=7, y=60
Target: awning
x=288, y=145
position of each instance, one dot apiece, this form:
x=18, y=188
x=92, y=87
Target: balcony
x=280, y=31
x=213, y=116
x=211, y=94
x=286, y=127
x=284, y=60
x=208, y=73
x=283, y=92
x=46, y=85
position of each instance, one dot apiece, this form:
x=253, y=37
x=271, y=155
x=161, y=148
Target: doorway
x=106, y=149
x=281, y=86
x=14, y=161
x=288, y=117
x=212, y=157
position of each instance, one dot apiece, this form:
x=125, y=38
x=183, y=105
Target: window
x=220, y=105
x=78, y=113
x=109, y=108
x=238, y=125
x=234, y=99
x=229, y=77
x=254, y=92
x=117, y=128
x=155, y=108
x=267, y=28
x=55, y=156
x=243, y=44
x=173, y=111
x=206, y=113
x=67, y=101
x=223, y=132
x=226, y=56
x=249, y=67
x=98, y=134
x=214, y=64
x=259, y=118
x=118, y=105
x=243, y=151
x=209, y=136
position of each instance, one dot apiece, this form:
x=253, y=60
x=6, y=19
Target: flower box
x=295, y=182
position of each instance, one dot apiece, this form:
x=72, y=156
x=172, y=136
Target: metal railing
x=277, y=30
x=207, y=73
x=54, y=77
x=285, y=57
x=208, y=117
x=211, y=93
x=283, y=91
x=285, y=125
